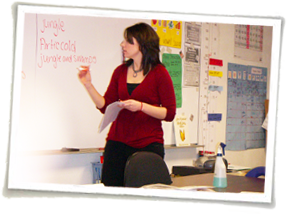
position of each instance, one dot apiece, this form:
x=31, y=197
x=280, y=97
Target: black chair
x=143, y=168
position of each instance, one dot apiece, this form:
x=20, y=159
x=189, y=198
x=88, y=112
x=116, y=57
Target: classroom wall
x=250, y=157
x=76, y=169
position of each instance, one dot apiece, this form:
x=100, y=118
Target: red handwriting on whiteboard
x=55, y=45
x=55, y=25
x=23, y=75
x=54, y=50
x=56, y=59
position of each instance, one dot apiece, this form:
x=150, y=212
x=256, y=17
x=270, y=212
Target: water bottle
x=220, y=179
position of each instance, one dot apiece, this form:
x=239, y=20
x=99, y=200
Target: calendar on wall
x=248, y=42
x=249, y=37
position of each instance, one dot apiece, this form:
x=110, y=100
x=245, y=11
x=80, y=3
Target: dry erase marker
x=83, y=68
x=64, y=149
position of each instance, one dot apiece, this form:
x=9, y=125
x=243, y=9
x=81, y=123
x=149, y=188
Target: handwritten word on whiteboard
x=55, y=45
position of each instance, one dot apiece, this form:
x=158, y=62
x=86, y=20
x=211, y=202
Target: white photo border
x=275, y=59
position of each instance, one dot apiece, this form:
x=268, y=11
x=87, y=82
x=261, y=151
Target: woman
x=145, y=89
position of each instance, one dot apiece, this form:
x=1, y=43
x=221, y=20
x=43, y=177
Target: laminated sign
x=181, y=131
x=170, y=32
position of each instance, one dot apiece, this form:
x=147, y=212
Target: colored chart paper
x=217, y=62
x=215, y=88
x=215, y=73
x=173, y=63
x=170, y=32
x=247, y=86
x=214, y=117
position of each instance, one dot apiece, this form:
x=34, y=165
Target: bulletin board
x=247, y=87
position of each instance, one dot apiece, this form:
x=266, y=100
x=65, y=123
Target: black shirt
x=131, y=87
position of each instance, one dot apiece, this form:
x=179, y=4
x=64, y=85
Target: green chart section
x=173, y=63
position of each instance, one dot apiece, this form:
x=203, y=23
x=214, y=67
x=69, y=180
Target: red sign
x=217, y=62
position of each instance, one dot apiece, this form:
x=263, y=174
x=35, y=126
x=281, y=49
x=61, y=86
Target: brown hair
x=148, y=41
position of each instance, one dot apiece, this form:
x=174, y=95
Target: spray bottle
x=220, y=180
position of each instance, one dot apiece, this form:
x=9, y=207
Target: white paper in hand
x=265, y=123
x=110, y=115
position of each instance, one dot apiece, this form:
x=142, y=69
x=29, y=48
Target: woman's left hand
x=132, y=105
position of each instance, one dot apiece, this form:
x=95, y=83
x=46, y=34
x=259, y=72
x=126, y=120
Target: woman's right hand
x=85, y=78
x=84, y=75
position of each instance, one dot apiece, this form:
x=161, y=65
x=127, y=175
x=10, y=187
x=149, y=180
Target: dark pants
x=115, y=158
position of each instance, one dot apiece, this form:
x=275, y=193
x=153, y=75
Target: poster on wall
x=191, y=75
x=170, y=32
x=247, y=86
x=181, y=131
x=249, y=42
x=192, y=55
x=173, y=63
x=192, y=33
x=192, y=49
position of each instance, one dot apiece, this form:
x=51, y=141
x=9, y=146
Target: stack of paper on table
x=188, y=188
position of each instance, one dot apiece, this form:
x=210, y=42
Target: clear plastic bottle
x=220, y=179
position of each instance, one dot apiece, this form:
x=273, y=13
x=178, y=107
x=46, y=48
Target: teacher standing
x=145, y=89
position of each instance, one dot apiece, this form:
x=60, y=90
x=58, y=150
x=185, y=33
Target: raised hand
x=84, y=75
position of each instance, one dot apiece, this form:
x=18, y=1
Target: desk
x=235, y=183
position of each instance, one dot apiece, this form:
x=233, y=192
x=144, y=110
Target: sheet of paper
x=110, y=115
x=192, y=54
x=188, y=188
x=215, y=88
x=265, y=123
x=215, y=73
x=191, y=75
x=181, y=131
x=198, y=188
x=193, y=33
x=236, y=167
x=249, y=42
x=173, y=63
x=214, y=117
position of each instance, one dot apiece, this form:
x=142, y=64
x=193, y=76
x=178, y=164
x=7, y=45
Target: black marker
x=64, y=149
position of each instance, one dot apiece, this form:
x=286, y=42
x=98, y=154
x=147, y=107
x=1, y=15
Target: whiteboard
x=55, y=109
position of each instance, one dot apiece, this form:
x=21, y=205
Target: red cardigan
x=138, y=129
